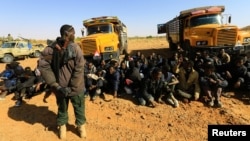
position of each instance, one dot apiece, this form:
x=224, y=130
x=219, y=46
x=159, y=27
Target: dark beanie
x=65, y=28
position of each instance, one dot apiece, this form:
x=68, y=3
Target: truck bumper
x=239, y=49
x=104, y=56
x=110, y=55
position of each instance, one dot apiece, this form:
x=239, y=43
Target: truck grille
x=89, y=47
x=226, y=37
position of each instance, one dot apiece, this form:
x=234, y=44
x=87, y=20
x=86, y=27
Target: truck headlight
x=201, y=43
x=246, y=40
x=109, y=48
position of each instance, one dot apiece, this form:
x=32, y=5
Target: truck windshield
x=99, y=29
x=206, y=19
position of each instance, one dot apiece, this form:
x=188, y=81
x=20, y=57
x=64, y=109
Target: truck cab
x=202, y=28
x=103, y=38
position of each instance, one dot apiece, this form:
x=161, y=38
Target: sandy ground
x=120, y=119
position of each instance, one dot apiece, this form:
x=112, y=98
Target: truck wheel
x=8, y=58
x=187, y=45
x=172, y=46
x=37, y=54
x=188, y=48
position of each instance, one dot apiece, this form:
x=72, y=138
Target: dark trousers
x=78, y=103
x=212, y=92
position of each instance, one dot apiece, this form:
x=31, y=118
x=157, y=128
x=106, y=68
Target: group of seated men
x=151, y=80
x=154, y=79
x=23, y=82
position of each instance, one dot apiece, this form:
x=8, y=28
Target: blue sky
x=42, y=19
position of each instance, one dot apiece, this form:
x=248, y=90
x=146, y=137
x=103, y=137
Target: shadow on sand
x=32, y=114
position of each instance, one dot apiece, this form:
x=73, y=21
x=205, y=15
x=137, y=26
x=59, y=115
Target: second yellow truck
x=104, y=38
x=202, y=28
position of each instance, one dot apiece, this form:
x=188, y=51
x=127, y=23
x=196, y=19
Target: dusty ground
x=121, y=119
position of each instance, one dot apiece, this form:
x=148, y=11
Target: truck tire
x=189, y=50
x=172, y=45
x=186, y=45
x=8, y=58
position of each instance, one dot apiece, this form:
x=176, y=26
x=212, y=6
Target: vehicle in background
x=244, y=37
x=202, y=28
x=37, y=50
x=104, y=38
x=11, y=50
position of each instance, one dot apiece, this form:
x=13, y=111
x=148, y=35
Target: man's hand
x=65, y=91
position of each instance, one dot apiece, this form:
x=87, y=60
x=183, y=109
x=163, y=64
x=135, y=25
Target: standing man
x=62, y=67
x=9, y=38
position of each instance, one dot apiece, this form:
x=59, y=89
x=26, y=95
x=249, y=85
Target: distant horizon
x=160, y=36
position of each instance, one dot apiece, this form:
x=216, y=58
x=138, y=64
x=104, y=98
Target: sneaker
x=170, y=101
x=62, y=131
x=18, y=103
x=176, y=103
x=82, y=131
x=218, y=104
x=211, y=103
x=86, y=95
x=152, y=103
x=93, y=98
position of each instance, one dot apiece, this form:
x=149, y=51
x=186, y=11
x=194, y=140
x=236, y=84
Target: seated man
x=189, y=87
x=237, y=74
x=132, y=78
x=8, y=83
x=151, y=89
x=24, y=83
x=112, y=80
x=95, y=83
x=170, y=82
x=212, y=84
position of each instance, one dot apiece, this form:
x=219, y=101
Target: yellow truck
x=244, y=37
x=202, y=28
x=104, y=38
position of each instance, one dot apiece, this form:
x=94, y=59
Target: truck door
x=161, y=28
x=22, y=49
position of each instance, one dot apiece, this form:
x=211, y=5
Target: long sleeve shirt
x=69, y=74
x=186, y=83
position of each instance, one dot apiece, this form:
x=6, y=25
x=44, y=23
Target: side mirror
x=82, y=30
x=229, y=19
